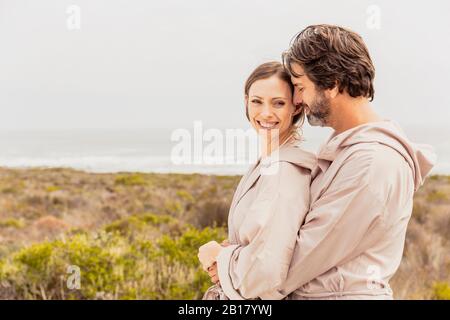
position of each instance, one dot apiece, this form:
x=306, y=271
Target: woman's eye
x=256, y=101
x=300, y=89
x=279, y=103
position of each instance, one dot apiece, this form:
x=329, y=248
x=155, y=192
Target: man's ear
x=335, y=91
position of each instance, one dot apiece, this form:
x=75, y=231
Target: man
x=352, y=240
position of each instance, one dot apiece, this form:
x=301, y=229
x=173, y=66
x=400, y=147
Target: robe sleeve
x=269, y=230
x=347, y=219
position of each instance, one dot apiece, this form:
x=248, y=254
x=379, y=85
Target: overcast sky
x=159, y=63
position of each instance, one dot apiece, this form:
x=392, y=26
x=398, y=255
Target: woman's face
x=270, y=107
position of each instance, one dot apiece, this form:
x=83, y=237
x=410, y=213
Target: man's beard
x=319, y=111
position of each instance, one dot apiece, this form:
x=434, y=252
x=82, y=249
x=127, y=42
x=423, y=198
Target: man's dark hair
x=333, y=56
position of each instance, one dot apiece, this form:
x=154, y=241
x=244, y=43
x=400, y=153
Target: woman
x=271, y=200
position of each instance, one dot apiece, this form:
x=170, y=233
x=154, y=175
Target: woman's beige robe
x=266, y=213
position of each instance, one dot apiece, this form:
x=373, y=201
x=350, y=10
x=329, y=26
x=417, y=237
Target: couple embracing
x=330, y=225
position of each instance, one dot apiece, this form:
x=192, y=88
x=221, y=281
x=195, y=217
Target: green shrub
x=173, y=208
x=130, y=180
x=181, y=254
x=441, y=291
x=9, y=190
x=186, y=196
x=138, y=222
x=37, y=270
x=12, y=223
x=184, y=248
x=52, y=188
x=112, y=266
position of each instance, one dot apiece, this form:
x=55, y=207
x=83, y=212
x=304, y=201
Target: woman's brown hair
x=332, y=55
x=265, y=71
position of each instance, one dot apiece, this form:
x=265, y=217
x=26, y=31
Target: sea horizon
x=149, y=150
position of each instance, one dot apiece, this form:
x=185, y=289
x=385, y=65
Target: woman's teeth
x=267, y=125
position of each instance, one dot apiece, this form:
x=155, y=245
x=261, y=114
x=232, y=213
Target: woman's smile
x=268, y=125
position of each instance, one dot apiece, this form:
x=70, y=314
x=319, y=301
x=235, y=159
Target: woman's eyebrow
x=274, y=98
x=283, y=98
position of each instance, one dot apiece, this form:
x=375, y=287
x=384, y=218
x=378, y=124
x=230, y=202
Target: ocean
x=151, y=150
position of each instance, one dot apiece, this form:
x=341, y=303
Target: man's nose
x=297, y=98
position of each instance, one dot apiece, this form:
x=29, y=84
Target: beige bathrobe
x=352, y=239
x=268, y=208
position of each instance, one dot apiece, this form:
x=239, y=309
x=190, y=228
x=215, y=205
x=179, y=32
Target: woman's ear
x=246, y=107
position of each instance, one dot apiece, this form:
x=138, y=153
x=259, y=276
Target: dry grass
x=38, y=206
x=88, y=201
x=425, y=268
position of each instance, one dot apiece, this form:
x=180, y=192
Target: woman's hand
x=208, y=253
x=225, y=243
x=212, y=271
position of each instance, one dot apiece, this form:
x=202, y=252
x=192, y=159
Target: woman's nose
x=266, y=110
